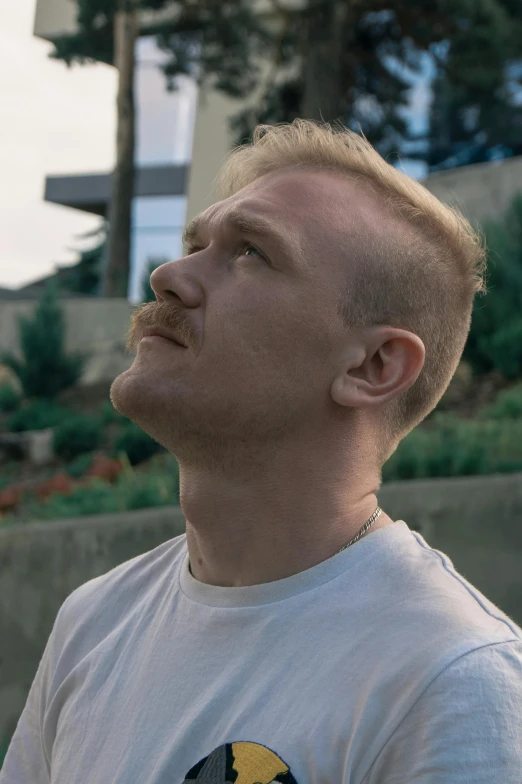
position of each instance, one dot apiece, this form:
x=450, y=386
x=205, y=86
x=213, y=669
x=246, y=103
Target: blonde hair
x=424, y=281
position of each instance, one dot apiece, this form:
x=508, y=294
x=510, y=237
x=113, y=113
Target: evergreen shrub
x=45, y=369
x=77, y=435
x=457, y=447
x=9, y=399
x=137, y=444
x=38, y=415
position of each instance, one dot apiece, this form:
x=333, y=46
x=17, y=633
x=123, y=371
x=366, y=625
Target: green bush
x=495, y=338
x=504, y=349
x=9, y=399
x=137, y=444
x=80, y=465
x=46, y=370
x=98, y=498
x=508, y=405
x=130, y=491
x=456, y=447
x=84, y=277
x=77, y=435
x=38, y=415
x=110, y=415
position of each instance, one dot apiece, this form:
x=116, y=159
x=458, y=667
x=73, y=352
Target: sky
x=59, y=120
x=53, y=120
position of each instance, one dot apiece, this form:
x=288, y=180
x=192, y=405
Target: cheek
x=268, y=331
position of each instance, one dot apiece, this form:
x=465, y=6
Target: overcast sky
x=53, y=120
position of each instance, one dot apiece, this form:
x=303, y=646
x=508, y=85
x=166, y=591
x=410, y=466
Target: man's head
x=340, y=318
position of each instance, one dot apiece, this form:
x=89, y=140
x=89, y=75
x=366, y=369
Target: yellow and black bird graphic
x=240, y=763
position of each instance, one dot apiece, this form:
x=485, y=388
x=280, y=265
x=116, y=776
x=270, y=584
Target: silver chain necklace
x=363, y=530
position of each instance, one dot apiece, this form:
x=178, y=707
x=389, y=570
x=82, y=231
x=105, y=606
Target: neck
x=286, y=518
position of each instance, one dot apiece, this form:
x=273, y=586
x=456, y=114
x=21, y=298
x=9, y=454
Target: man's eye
x=190, y=249
x=249, y=246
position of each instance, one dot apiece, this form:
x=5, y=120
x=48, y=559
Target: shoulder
x=467, y=722
x=488, y=676
x=441, y=600
x=96, y=607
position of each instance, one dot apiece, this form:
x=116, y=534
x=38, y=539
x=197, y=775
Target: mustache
x=157, y=314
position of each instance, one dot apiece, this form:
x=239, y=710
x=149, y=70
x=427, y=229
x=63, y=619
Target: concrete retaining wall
x=476, y=521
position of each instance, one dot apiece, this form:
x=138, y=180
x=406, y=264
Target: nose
x=172, y=283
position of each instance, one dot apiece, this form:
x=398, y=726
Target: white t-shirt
x=380, y=665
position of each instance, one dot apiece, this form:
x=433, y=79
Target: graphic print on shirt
x=240, y=763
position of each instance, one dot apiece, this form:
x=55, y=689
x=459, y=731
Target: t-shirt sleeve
x=28, y=758
x=465, y=727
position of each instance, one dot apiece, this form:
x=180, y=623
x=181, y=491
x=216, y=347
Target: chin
x=123, y=393
x=143, y=400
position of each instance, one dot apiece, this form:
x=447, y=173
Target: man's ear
x=381, y=364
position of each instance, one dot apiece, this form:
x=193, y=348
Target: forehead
x=324, y=213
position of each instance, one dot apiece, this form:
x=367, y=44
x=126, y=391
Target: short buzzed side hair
x=423, y=282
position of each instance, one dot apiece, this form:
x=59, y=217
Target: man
x=296, y=633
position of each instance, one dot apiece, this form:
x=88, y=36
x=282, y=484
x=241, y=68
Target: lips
x=163, y=333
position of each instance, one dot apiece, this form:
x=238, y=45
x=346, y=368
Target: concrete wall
x=475, y=521
x=481, y=191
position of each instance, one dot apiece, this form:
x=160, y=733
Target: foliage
x=137, y=444
x=9, y=398
x=80, y=465
x=45, y=370
x=77, y=435
x=508, y=405
x=96, y=498
x=84, y=277
x=475, y=104
x=206, y=39
x=147, y=292
x=131, y=491
x=495, y=338
x=109, y=414
x=38, y=415
x=94, y=40
x=384, y=48
x=456, y=447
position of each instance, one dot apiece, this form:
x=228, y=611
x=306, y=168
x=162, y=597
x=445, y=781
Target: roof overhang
x=92, y=192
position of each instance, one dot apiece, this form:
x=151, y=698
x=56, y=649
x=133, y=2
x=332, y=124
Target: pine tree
x=355, y=62
x=45, y=369
x=476, y=108
x=85, y=276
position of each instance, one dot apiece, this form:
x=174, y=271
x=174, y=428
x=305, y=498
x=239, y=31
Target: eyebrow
x=246, y=223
